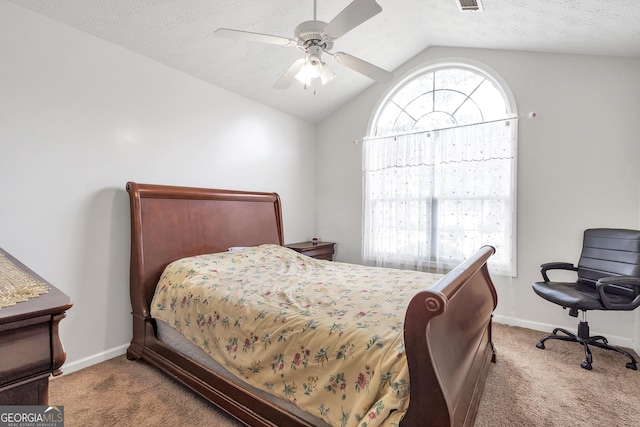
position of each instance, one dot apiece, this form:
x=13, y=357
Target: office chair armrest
x=555, y=266
x=619, y=280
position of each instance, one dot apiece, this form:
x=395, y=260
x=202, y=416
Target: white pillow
x=237, y=248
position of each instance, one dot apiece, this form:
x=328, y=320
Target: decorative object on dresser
x=30, y=347
x=317, y=250
x=446, y=332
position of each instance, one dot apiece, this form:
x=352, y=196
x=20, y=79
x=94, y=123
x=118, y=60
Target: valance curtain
x=431, y=199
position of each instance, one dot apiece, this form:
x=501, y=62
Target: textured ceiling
x=179, y=33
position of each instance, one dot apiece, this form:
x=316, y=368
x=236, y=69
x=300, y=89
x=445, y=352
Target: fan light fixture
x=314, y=69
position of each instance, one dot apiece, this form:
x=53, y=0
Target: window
x=439, y=172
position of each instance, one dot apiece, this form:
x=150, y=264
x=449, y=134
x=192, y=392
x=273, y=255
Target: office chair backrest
x=610, y=252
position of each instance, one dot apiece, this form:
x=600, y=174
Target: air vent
x=469, y=5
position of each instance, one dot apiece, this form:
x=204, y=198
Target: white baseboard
x=546, y=328
x=76, y=365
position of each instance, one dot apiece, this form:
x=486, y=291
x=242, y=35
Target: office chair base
x=583, y=338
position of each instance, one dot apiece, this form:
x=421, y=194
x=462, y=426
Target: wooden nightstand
x=318, y=250
x=30, y=348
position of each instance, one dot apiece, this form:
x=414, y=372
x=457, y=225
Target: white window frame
x=509, y=99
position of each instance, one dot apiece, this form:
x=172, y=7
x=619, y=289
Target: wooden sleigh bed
x=447, y=326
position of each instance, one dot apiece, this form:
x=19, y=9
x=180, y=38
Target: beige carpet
x=526, y=387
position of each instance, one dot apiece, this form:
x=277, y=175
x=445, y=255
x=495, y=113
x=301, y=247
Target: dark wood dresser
x=318, y=250
x=30, y=348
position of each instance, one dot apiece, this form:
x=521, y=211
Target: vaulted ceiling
x=180, y=34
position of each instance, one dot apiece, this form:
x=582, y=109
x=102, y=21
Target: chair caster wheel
x=586, y=365
x=632, y=365
x=540, y=345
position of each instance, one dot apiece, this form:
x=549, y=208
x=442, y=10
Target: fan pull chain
x=307, y=87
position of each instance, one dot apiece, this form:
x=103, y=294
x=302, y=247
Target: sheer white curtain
x=431, y=199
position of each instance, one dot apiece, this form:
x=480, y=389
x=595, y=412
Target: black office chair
x=608, y=279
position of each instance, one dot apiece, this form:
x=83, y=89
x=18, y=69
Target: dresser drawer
x=34, y=391
x=25, y=348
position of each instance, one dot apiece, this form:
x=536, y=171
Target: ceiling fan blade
x=351, y=16
x=289, y=76
x=363, y=67
x=254, y=37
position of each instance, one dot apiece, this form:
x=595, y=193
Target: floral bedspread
x=326, y=335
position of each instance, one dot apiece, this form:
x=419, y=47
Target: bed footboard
x=448, y=345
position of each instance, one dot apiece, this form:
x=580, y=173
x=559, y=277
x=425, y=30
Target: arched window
x=439, y=171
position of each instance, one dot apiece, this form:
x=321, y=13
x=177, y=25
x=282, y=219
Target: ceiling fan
x=315, y=38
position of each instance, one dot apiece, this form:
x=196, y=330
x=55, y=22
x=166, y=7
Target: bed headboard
x=169, y=223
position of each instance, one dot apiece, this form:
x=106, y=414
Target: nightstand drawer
x=318, y=250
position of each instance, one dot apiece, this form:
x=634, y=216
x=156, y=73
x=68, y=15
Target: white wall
x=578, y=167
x=80, y=117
